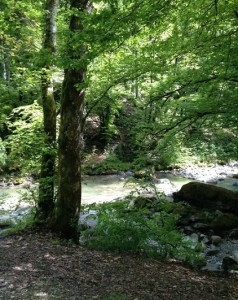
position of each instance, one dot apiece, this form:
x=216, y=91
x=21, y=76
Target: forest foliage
x=148, y=82
x=161, y=82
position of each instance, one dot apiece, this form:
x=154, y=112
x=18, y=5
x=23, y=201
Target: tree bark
x=46, y=184
x=68, y=203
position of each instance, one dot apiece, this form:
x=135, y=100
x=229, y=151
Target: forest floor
x=35, y=265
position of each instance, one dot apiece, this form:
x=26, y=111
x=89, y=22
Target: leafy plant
x=121, y=227
x=25, y=143
x=113, y=296
x=111, y=164
x=26, y=218
x=30, y=195
x=26, y=221
x=3, y=155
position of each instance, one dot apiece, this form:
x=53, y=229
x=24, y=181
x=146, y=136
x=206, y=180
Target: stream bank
x=111, y=187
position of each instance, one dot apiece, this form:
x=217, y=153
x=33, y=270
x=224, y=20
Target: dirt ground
x=35, y=266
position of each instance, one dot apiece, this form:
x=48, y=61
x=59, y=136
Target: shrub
x=110, y=165
x=25, y=143
x=123, y=228
x=25, y=222
x=3, y=155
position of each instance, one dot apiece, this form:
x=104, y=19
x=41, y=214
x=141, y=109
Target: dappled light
x=25, y=267
x=41, y=295
x=118, y=149
x=77, y=273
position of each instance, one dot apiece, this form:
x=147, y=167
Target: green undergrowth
x=15, y=226
x=110, y=165
x=113, y=296
x=122, y=227
x=16, y=223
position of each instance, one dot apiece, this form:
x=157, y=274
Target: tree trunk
x=46, y=184
x=68, y=204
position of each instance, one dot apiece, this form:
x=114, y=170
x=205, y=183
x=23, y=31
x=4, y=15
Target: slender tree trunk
x=46, y=186
x=2, y=59
x=5, y=71
x=68, y=204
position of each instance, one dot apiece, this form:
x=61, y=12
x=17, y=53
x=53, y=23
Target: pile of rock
x=212, y=218
x=209, y=174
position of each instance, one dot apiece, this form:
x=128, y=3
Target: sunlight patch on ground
x=25, y=267
x=41, y=295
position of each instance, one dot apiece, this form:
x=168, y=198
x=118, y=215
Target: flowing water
x=101, y=189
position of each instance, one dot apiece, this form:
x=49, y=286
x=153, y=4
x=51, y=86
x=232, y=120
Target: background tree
x=19, y=82
x=47, y=176
x=161, y=80
x=182, y=78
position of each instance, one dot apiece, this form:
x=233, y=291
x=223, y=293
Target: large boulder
x=208, y=196
x=224, y=222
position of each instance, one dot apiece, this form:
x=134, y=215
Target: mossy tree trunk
x=67, y=209
x=46, y=184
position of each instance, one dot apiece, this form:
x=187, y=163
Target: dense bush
x=121, y=227
x=107, y=164
x=24, y=144
x=3, y=155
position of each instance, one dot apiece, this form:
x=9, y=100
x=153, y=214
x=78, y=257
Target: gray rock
x=129, y=173
x=8, y=218
x=218, y=213
x=205, y=239
x=234, y=233
x=229, y=264
x=211, y=181
x=200, y=226
x=89, y=219
x=191, y=238
x=194, y=237
x=216, y=239
x=199, y=217
x=224, y=222
x=235, y=255
x=188, y=229
x=213, y=251
x=121, y=174
x=193, y=218
x=213, y=267
x=223, y=174
x=3, y=225
x=208, y=196
x=164, y=181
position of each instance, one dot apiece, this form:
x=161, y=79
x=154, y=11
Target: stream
x=95, y=189
x=105, y=188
